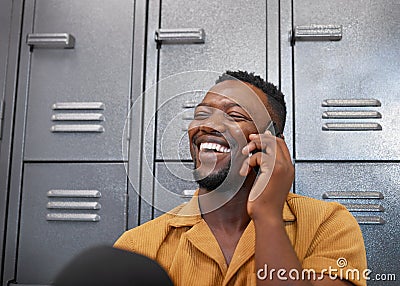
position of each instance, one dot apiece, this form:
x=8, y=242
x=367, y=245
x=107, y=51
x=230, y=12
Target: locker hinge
x=2, y=103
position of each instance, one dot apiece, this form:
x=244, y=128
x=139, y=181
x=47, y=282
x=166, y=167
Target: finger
x=259, y=142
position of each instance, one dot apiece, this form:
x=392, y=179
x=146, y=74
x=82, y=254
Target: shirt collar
x=189, y=214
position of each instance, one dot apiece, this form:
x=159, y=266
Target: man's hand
x=275, y=178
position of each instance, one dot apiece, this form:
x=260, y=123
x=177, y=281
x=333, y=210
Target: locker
x=226, y=44
x=370, y=192
x=174, y=186
x=79, y=79
x=347, y=79
x=65, y=208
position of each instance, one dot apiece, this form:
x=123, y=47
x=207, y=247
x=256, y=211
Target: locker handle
x=316, y=33
x=180, y=36
x=51, y=40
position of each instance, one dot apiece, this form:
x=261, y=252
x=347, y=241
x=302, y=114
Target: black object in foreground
x=106, y=266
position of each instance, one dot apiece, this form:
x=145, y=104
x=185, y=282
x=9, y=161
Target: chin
x=213, y=180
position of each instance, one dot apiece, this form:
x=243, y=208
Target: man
x=243, y=226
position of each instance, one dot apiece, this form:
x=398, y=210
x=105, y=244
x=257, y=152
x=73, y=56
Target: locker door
x=228, y=44
x=65, y=208
x=79, y=79
x=189, y=45
x=347, y=79
x=370, y=192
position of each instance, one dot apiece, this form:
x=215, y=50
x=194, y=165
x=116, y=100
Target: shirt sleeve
x=338, y=248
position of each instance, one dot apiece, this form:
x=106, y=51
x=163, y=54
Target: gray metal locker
x=189, y=45
x=69, y=186
x=79, y=79
x=371, y=192
x=347, y=79
x=346, y=82
x=174, y=185
x=65, y=208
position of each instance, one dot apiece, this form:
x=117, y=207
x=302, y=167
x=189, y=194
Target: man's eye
x=201, y=115
x=236, y=116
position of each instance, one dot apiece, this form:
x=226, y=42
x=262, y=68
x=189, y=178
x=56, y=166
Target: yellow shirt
x=181, y=241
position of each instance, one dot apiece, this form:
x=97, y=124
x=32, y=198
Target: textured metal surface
x=371, y=192
x=173, y=186
x=49, y=237
x=359, y=71
x=51, y=41
x=96, y=74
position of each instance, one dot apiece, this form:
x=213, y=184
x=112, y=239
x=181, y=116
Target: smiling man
x=244, y=226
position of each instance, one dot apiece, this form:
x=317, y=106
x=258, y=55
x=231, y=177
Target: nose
x=216, y=122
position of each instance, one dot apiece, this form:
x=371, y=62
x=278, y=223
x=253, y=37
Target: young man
x=243, y=226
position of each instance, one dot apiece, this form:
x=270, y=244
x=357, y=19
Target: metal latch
x=180, y=36
x=51, y=40
x=316, y=33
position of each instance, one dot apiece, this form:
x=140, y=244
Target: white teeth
x=214, y=146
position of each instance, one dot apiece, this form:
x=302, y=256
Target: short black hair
x=275, y=97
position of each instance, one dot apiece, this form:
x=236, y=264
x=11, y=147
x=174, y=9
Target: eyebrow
x=229, y=105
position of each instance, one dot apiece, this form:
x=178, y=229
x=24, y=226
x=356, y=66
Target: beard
x=213, y=180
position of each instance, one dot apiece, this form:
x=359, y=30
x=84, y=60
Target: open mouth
x=213, y=147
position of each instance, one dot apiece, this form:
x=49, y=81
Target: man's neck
x=226, y=210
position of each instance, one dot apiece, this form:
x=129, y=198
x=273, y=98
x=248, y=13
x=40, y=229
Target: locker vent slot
x=188, y=193
x=189, y=104
x=353, y=195
x=369, y=220
x=63, y=209
x=78, y=106
x=342, y=114
x=74, y=205
x=351, y=103
x=84, y=118
x=78, y=117
x=350, y=126
x=74, y=194
x=72, y=217
x=351, y=114
x=364, y=207
x=76, y=128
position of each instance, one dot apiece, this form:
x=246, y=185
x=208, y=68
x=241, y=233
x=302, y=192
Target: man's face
x=223, y=121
